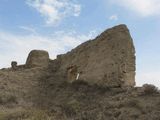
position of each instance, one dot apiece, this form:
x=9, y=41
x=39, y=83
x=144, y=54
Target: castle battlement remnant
x=107, y=60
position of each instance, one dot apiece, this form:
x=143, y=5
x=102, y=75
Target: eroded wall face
x=37, y=58
x=107, y=60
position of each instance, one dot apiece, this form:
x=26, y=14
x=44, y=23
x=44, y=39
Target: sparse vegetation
x=7, y=98
x=87, y=83
x=149, y=89
x=70, y=109
x=134, y=103
x=60, y=100
x=24, y=114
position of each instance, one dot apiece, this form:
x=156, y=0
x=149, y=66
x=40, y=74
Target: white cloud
x=55, y=10
x=16, y=47
x=141, y=7
x=151, y=77
x=113, y=17
x=29, y=29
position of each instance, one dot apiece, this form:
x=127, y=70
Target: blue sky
x=60, y=25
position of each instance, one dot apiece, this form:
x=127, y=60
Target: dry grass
x=149, y=89
x=7, y=98
x=24, y=114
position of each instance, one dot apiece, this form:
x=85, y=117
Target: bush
x=100, y=88
x=1, y=99
x=71, y=108
x=79, y=83
x=150, y=89
x=133, y=103
x=7, y=98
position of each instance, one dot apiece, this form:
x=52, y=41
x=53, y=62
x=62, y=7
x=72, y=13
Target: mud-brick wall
x=107, y=60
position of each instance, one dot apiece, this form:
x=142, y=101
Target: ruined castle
x=107, y=60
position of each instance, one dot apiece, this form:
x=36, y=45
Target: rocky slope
x=94, y=81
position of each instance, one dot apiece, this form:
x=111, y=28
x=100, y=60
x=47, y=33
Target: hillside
x=94, y=81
